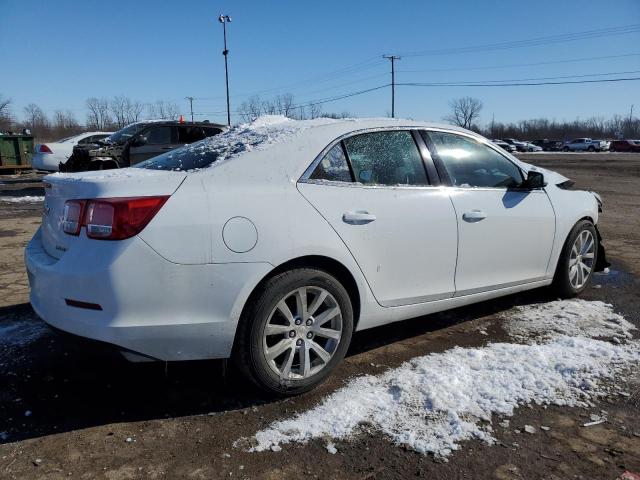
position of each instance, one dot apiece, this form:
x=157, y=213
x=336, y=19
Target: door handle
x=358, y=218
x=474, y=216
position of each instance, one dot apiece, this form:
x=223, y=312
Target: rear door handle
x=358, y=218
x=474, y=216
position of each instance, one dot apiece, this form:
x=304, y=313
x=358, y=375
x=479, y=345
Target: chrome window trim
x=304, y=178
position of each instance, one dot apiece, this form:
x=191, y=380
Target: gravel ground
x=72, y=409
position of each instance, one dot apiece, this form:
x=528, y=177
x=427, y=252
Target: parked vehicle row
x=271, y=244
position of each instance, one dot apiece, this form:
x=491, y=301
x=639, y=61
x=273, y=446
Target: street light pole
x=224, y=19
x=190, y=106
x=393, y=58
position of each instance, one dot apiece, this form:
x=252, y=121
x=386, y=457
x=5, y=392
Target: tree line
x=103, y=114
x=285, y=105
x=110, y=114
x=465, y=112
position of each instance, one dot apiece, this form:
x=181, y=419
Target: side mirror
x=139, y=141
x=534, y=180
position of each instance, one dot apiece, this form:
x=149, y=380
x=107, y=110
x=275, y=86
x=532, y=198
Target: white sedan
x=273, y=242
x=48, y=156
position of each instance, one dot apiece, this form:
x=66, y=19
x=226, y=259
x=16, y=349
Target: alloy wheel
x=581, y=259
x=302, y=333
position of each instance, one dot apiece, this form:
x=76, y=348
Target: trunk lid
x=126, y=182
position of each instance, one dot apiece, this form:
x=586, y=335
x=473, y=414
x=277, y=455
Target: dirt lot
x=73, y=409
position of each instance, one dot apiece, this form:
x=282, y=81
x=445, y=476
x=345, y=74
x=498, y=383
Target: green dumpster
x=15, y=152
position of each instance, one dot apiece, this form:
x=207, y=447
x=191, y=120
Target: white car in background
x=273, y=242
x=48, y=156
x=585, y=145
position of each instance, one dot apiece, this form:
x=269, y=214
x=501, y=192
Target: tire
x=566, y=284
x=565, y=149
x=256, y=352
x=591, y=148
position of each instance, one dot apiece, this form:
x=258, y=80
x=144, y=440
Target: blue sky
x=57, y=54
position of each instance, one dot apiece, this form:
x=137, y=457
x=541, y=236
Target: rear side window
x=333, y=166
x=472, y=164
x=386, y=158
x=190, y=134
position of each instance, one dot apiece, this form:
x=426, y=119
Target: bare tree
x=36, y=121
x=134, y=111
x=251, y=108
x=315, y=110
x=98, y=116
x=118, y=108
x=464, y=111
x=163, y=110
x=6, y=120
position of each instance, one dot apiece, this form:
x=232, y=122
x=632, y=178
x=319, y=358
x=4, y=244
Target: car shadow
x=58, y=383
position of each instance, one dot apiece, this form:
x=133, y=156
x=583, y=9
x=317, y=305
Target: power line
x=518, y=84
x=465, y=82
x=532, y=42
x=494, y=67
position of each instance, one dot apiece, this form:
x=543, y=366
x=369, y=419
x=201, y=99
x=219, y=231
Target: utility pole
x=224, y=19
x=190, y=106
x=393, y=58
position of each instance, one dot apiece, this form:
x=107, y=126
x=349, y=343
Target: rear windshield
x=190, y=157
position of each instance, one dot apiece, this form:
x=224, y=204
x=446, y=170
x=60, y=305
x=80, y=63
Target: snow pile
x=26, y=199
x=567, y=317
x=262, y=133
x=433, y=403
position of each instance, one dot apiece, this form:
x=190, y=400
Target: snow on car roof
x=284, y=138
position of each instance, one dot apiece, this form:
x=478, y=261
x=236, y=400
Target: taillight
x=113, y=218
x=45, y=149
x=72, y=216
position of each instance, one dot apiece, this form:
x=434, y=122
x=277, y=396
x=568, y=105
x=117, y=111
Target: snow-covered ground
x=563, y=354
x=26, y=199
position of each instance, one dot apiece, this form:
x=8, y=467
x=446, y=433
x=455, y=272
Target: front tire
x=294, y=332
x=577, y=260
x=565, y=149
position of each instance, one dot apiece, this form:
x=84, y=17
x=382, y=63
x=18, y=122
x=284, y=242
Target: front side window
x=386, y=158
x=472, y=164
x=159, y=136
x=333, y=166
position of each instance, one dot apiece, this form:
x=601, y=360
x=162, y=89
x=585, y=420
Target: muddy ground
x=71, y=409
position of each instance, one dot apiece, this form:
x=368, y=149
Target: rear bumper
x=148, y=305
x=45, y=161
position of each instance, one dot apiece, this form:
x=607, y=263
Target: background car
x=531, y=147
x=520, y=146
x=585, y=145
x=48, y=156
x=625, y=146
x=549, y=145
x=505, y=146
x=138, y=142
x=268, y=245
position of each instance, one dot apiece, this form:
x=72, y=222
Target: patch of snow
x=433, y=403
x=25, y=199
x=331, y=448
x=20, y=333
x=575, y=317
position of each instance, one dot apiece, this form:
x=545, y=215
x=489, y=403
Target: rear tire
x=577, y=260
x=294, y=331
x=565, y=149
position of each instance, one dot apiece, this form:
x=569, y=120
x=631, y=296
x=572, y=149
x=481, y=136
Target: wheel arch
x=321, y=262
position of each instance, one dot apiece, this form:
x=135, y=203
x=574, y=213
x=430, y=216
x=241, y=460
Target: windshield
x=125, y=134
x=190, y=157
